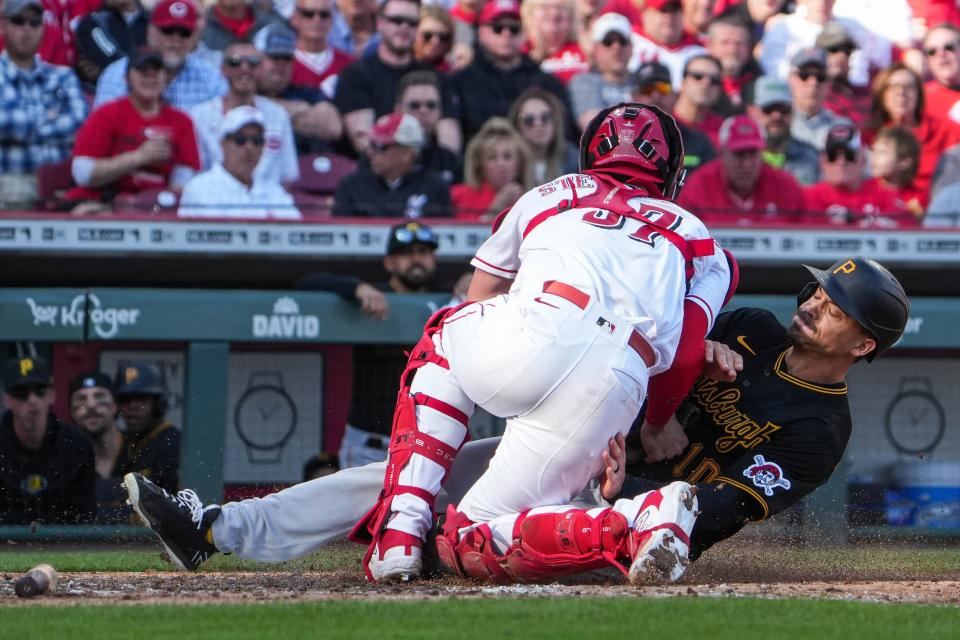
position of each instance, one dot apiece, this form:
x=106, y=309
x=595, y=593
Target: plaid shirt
x=40, y=112
x=195, y=83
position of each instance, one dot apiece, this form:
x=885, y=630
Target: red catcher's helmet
x=637, y=144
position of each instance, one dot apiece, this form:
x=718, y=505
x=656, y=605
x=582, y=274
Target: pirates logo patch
x=766, y=475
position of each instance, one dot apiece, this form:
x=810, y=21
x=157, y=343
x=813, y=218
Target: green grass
x=589, y=618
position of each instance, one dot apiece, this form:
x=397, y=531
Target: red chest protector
x=614, y=197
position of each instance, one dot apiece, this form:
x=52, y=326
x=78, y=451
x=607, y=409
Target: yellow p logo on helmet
x=847, y=267
x=26, y=366
x=130, y=374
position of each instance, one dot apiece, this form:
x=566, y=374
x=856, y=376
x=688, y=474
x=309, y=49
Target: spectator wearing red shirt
x=841, y=96
x=698, y=92
x=843, y=195
x=894, y=159
x=135, y=143
x=941, y=47
x=497, y=172
x=898, y=99
x=467, y=12
x=728, y=40
x=550, y=26
x=659, y=36
x=316, y=64
x=739, y=186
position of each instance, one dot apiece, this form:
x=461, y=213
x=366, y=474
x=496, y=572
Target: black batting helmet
x=869, y=294
x=140, y=378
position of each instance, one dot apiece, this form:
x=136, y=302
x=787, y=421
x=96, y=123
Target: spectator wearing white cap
x=808, y=86
x=172, y=28
x=230, y=189
x=773, y=108
x=610, y=81
x=278, y=162
x=659, y=36
x=316, y=122
x=739, y=184
x=392, y=184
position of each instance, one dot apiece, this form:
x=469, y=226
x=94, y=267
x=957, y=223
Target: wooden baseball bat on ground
x=37, y=581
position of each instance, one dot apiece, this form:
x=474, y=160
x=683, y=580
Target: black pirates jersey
x=760, y=443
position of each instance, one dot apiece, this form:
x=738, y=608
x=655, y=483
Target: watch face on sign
x=265, y=417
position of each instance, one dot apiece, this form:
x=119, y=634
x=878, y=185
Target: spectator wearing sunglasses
x=739, y=187
x=278, y=162
x=500, y=72
x=540, y=118
x=392, y=184
x=172, y=30
x=610, y=82
x=808, y=86
x=841, y=95
x=316, y=63
x=659, y=36
x=728, y=40
x=46, y=471
x=231, y=20
x=230, y=188
x=699, y=91
x=897, y=99
x=41, y=106
x=434, y=38
x=367, y=89
x=316, y=122
x=843, y=196
x=773, y=108
x=106, y=35
x=418, y=94
x=135, y=143
x=653, y=87
x=941, y=47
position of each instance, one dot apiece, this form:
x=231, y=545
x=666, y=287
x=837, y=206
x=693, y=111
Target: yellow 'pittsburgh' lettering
x=741, y=430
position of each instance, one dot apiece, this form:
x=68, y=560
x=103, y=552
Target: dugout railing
x=223, y=337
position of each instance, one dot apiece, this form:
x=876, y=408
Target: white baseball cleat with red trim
x=401, y=559
x=664, y=524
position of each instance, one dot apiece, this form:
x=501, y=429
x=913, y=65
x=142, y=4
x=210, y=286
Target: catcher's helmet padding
x=637, y=144
x=869, y=294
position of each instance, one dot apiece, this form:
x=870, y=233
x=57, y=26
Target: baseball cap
x=89, y=380
x=398, y=128
x=407, y=234
x=495, y=9
x=15, y=7
x=239, y=117
x=834, y=35
x=610, y=23
x=662, y=5
x=767, y=90
x=741, y=133
x=144, y=57
x=809, y=56
x=843, y=135
x=19, y=372
x=651, y=72
x=275, y=40
x=175, y=13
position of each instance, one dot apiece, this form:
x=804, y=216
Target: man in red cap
x=739, y=182
x=659, y=36
x=393, y=185
x=500, y=71
x=191, y=80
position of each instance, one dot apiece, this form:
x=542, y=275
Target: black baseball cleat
x=180, y=521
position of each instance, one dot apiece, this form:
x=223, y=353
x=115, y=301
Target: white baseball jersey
x=621, y=262
x=279, y=160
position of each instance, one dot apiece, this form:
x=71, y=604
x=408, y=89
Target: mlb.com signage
x=106, y=322
x=286, y=321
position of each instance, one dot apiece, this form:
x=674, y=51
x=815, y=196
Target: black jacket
x=104, y=37
x=420, y=193
x=53, y=484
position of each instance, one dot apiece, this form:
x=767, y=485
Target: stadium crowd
x=823, y=111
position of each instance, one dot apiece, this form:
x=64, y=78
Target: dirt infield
x=737, y=572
